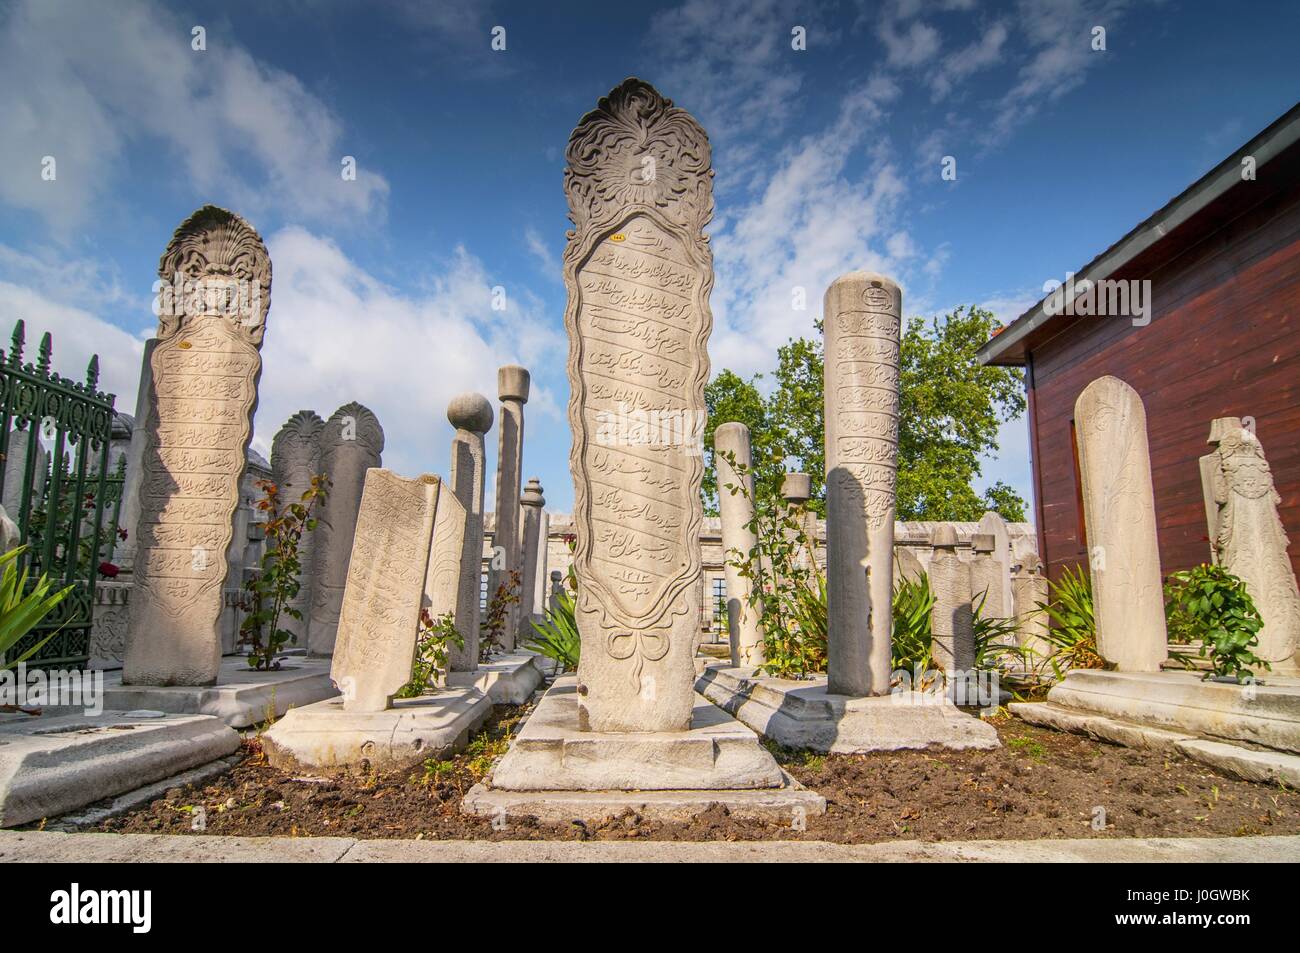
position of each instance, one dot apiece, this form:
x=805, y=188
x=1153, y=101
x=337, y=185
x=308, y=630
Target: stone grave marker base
x=241, y=697
x=52, y=765
x=556, y=772
x=507, y=679
x=324, y=739
x=803, y=714
x=1266, y=714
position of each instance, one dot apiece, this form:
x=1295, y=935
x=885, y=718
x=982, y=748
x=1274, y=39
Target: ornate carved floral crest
x=637, y=149
x=215, y=263
x=353, y=422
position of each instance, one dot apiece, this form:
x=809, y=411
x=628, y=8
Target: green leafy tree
x=950, y=408
x=730, y=398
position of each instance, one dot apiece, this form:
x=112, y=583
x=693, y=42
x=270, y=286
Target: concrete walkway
x=42, y=847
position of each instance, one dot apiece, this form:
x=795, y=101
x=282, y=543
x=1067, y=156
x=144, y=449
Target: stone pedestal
x=736, y=506
x=805, y=714
x=554, y=766
x=325, y=737
x=863, y=316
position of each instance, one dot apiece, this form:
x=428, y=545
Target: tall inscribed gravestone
x=1120, y=519
x=638, y=271
x=295, y=459
x=205, y=370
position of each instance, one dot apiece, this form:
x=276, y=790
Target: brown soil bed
x=1040, y=784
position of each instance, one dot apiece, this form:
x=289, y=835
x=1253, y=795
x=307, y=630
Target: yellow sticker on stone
x=618, y=237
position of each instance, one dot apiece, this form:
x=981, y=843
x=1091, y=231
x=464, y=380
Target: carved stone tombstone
x=638, y=271
x=736, y=507
x=471, y=415
x=863, y=314
x=951, y=620
x=351, y=442
x=1030, y=588
x=998, y=603
x=446, y=548
x=1249, y=539
x=1120, y=520
x=295, y=459
x=205, y=368
x=385, y=589
x=513, y=384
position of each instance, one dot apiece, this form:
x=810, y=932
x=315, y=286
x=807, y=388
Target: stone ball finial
x=512, y=383
x=470, y=411
x=945, y=537
x=532, y=495
x=796, y=488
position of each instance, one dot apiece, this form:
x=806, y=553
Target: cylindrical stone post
x=512, y=390
x=796, y=490
x=863, y=313
x=532, y=556
x=738, y=540
x=471, y=415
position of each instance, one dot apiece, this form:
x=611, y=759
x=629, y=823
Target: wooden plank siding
x=1224, y=340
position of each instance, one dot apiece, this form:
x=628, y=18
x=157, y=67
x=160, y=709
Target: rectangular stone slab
x=385, y=590
x=551, y=753
x=325, y=738
x=49, y=766
x=1183, y=701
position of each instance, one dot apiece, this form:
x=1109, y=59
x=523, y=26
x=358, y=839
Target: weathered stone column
x=638, y=271
x=951, y=620
x=295, y=459
x=471, y=415
x=736, y=507
x=556, y=590
x=1249, y=539
x=512, y=390
x=1120, y=517
x=351, y=442
x=532, y=556
x=863, y=313
x=205, y=369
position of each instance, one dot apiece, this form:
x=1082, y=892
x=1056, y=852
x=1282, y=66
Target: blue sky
x=827, y=159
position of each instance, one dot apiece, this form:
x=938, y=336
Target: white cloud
x=730, y=63
x=981, y=54
x=909, y=46
x=810, y=222
x=336, y=333
x=86, y=83
x=1059, y=34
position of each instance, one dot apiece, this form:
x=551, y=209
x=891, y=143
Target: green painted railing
x=62, y=523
